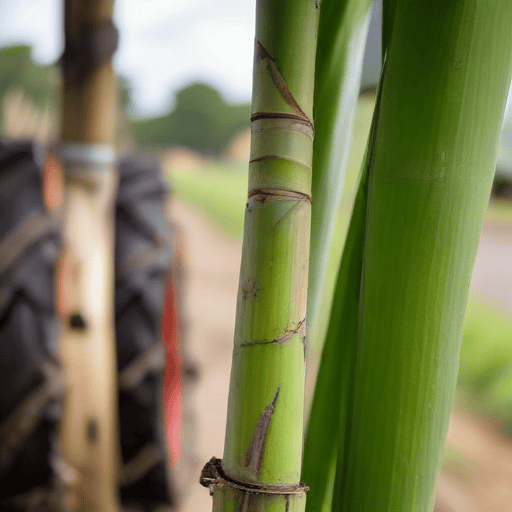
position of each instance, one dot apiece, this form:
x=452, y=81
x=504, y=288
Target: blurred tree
x=19, y=71
x=201, y=120
x=125, y=92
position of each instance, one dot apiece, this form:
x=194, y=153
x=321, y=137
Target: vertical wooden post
x=88, y=436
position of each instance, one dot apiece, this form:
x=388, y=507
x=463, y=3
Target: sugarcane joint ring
x=213, y=476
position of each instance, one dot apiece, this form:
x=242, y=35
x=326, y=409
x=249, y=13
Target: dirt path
x=492, y=277
x=213, y=265
x=483, y=476
x=481, y=482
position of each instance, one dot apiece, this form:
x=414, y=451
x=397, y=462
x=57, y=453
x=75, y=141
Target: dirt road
x=481, y=480
x=211, y=282
x=484, y=484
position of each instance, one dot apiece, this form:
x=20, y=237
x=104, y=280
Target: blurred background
x=185, y=73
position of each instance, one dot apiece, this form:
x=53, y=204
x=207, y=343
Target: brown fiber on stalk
x=279, y=81
x=256, y=450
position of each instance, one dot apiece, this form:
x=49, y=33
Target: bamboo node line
x=262, y=195
x=213, y=477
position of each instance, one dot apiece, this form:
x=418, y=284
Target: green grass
x=499, y=210
x=456, y=462
x=485, y=375
x=219, y=190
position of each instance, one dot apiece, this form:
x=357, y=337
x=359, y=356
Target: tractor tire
x=31, y=386
x=31, y=383
x=142, y=263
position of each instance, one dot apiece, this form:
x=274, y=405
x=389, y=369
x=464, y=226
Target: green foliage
x=17, y=70
x=486, y=359
x=500, y=211
x=342, y=32
x=125, y=92
x=201, y=120
x=219, y=190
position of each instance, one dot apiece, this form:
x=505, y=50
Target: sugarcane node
x=293, y=122
x=261, y=195
x=213, y=477
x=295, y=161
x=77, y=321
x=288, y=334
x=210, y=474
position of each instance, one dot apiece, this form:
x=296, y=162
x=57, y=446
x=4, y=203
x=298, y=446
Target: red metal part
x=173, y=376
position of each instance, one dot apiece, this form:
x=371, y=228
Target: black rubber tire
x=143, y=260
x=29, y=248
x=29, y=370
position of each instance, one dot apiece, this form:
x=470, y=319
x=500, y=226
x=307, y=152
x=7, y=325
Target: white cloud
x=164, y=44
x=34, y=22
x=163, y=49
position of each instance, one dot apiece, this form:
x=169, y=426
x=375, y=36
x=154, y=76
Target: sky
x=164, y=44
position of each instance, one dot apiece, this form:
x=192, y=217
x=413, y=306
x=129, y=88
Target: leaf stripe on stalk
x=279, y=81
x=256, y=450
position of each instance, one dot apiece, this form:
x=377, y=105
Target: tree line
x=200, y=120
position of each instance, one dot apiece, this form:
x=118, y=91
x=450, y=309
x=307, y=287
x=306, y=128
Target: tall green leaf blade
x=333, y=382
x=343, y=28
x=325, y=441
x=443, y=96
x=388, y=18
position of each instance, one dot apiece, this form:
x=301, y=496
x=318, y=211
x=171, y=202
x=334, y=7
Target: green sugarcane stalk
x=443, y=98
x=261, y=467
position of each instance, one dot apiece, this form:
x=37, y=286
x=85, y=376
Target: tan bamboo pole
x=88, y=436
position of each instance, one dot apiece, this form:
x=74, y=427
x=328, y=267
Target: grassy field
x=500, y=211
x=485, y=372
x=485, y=378
x=219, y=190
